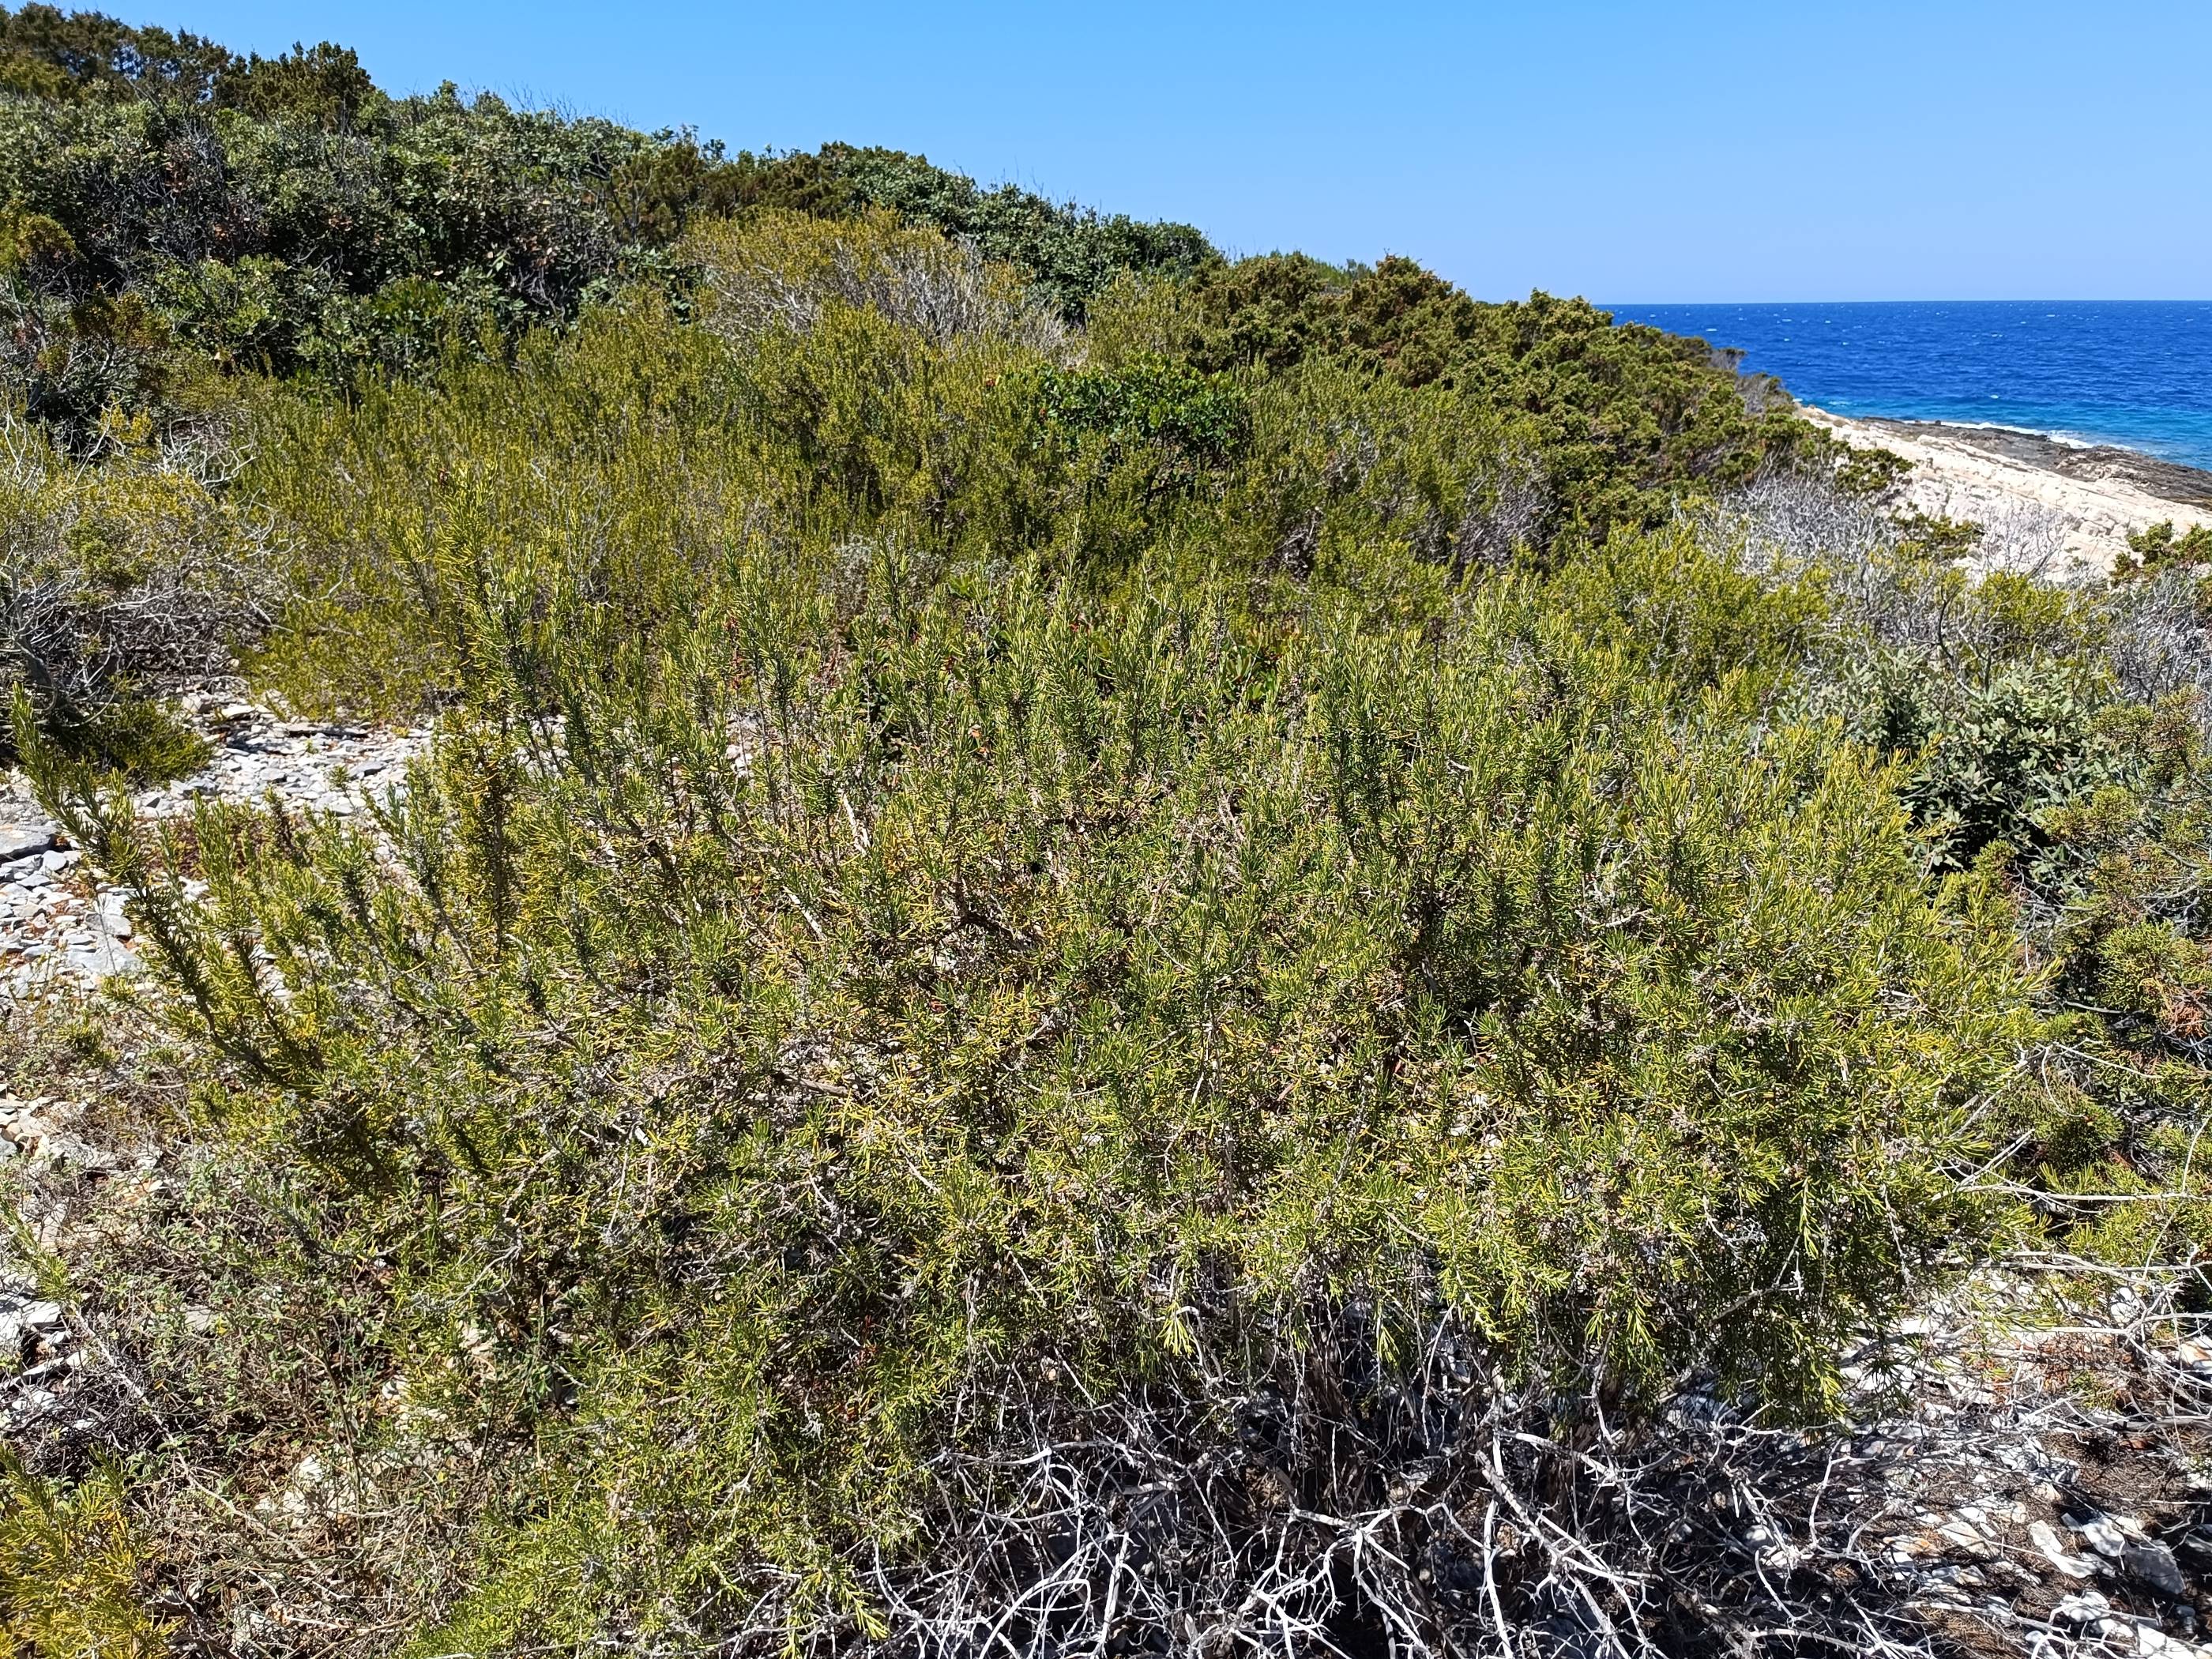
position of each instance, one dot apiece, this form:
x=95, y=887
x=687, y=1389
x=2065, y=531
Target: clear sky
x=1665, y=150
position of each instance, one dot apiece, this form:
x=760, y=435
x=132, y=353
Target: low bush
x=1627, y=422
x=915, y=904
x=780, y=271
x=1065, y=892
x=2157, y=549
x=119, y=581
x=1067, y=985
x=2053, y=737
x=70, y=1575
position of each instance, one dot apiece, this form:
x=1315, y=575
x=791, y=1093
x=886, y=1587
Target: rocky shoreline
x=2089, y=498
x=2184, y=486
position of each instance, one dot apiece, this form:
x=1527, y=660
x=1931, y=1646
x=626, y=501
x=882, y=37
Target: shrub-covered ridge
x=1043, y=853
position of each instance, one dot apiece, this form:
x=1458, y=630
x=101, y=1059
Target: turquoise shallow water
x=2136, y=373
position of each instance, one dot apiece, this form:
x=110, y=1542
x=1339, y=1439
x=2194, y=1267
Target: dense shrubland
x=1059, y=875
x=167, y=208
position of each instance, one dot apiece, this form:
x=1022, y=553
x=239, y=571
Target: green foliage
x=2157, y=549
x=1203, y=417
x=853, y=946
x=1870, y=473
x=76, y=353
x=1019, y=814
x=71, y=1572
x=1992, y=757
x=32, y=242
x=322, y=87
x=1058, y=949
x=279, y=244
x=116, y=577
x=84, y=55
x=1274, y=311
x=88, y=57
x=132, y=736
x=1070, y=254
x=282, y=216
x=2026, y=759
x=162, y=196
x=775, y=271
x=1626, y=418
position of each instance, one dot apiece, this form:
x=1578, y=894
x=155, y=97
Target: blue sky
x=1706, y=149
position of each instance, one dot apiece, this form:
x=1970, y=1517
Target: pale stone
x=1954, y=478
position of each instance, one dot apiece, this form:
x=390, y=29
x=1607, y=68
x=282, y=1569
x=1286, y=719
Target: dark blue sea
x=2137, y=373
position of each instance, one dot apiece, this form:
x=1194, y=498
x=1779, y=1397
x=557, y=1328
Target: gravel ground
x=58, y=925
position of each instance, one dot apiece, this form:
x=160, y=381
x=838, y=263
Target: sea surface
x=2133, y=373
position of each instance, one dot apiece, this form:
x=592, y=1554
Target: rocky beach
x=2093, y=495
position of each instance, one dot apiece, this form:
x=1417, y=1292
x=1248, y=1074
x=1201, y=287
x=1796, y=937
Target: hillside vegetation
x=1046, y=854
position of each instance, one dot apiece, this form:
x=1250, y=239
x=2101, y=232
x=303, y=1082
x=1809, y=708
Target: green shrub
x=2044, y=742
x=2158, y=548
x=983, y=881
x=49, y=54
x=1992, y=757
x=115, y=579
x=1070, y=254
x=1626, y=419
x=1148, y=402
x=919, y=956
x=71, y=1575
x=133, y=736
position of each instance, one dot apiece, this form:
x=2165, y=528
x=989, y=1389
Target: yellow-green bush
x=922, y=954
x=71, y=1576
x=967, y=885
x=115, y=578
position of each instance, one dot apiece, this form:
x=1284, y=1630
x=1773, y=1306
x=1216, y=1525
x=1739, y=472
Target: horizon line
x=2079, y=300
